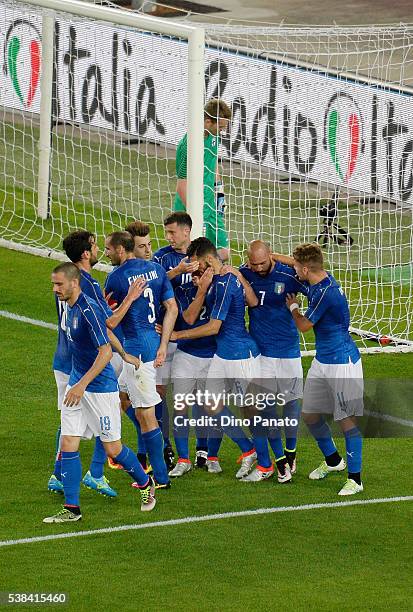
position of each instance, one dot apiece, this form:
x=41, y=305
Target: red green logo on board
x=22, y=60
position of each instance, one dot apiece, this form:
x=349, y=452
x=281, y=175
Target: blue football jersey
x=271, y=324
x=168, y=258
x=91, y=288
x=200, y=347
x=62, y=360
x=329, y=312
x=225, y=301
x=138, y=325
x=86, y=332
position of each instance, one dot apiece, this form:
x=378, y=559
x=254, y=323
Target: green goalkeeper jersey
x=210, y=166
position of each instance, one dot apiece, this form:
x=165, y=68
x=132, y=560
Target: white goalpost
x=94, y=101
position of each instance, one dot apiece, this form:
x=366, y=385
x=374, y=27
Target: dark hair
x=76, y=243
x=201, y=247
x=122, y=239
x=180, y=218
x=310, y=255
x=68, y=269
x=138, y=228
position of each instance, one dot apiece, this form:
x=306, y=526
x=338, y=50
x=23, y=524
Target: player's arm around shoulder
x=250, y=296
x=303, y=324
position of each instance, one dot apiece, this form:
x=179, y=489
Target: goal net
x=320, y=146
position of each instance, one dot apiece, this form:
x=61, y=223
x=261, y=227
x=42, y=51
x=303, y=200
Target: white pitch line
x=205, y=518
x=15, y=317
x=389, y=417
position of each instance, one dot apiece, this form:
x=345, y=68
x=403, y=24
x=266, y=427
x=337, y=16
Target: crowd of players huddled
x=166, y=341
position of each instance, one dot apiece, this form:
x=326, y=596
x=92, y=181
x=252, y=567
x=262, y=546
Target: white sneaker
x=181, y=468
x=351, y=487
x=285, y=476
x=257, y=475
x=247, y=460
x=213, y=466
x=323, y=470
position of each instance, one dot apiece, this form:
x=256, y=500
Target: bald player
x=275, y=333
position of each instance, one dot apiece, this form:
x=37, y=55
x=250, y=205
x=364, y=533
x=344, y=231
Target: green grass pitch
x=344, y=559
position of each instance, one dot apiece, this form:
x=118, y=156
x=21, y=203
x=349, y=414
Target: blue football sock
x=292, y=410
x=154, y=446
x=130, y=413
x=181, y=437
x=274, y=433
x=57, y=471
x=98, y=459
x=201, y=432
x=130, y=463
x=71, y=477
x=162, y=416
x=235, y=432
x=261, y=448
x=322, y=433
x=354, y=446
x=215, y=435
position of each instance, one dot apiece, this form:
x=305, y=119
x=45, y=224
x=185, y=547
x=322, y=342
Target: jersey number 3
x=148, y=293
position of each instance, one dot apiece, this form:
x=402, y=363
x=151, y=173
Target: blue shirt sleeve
x=96, y=324
x=223, y=295
x=167, y=291
x=319, y=305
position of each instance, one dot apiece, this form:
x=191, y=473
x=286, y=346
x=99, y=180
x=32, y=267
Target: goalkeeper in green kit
x=217, y=115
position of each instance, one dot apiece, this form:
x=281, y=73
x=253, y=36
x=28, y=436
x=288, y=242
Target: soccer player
x=334, y=383
x=91, y=403
x=141, y=338
x=217, y=115
x=190, y=367
x=276, y=335
x=179, y=270
x=81, y=248
x=235, y=363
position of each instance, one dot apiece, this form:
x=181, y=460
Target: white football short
x=189, y=372
x=232, y=376
x=334, y=389
x=284, y=376
x=141, y=384
x=97, y=414
x=163, y=374
x=62, y=380
x=117, y=364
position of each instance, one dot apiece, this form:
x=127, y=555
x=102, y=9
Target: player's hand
x=205, y=280
x=111, y=303
x=135, y=361
x=160, y=357
x=227, y=268
x=291, y=299
x=136, y=288
x=174, y=337
x=187, y=267
x=158, y=328
x=74, y=395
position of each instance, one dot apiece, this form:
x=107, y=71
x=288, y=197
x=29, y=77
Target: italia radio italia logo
x=22, y=59
x=344, y=134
